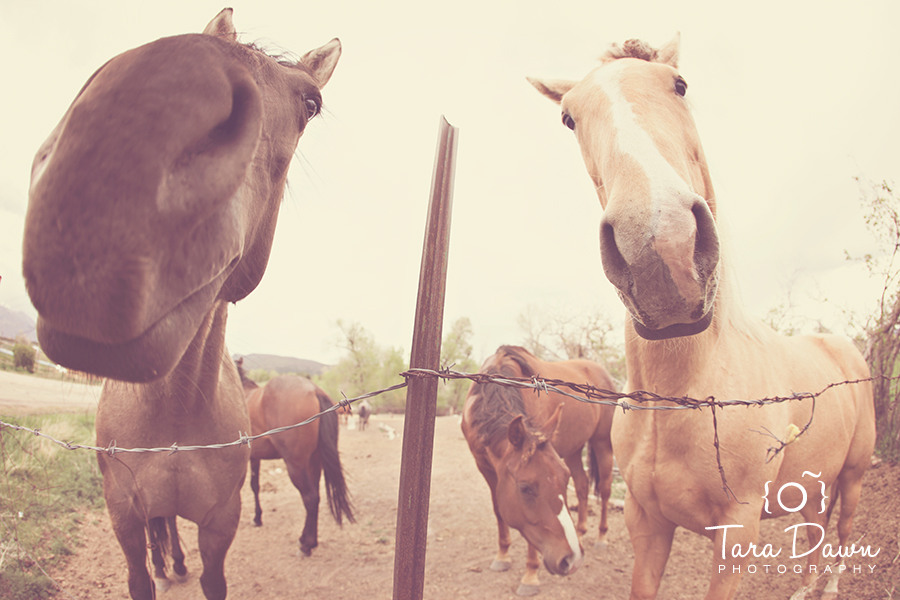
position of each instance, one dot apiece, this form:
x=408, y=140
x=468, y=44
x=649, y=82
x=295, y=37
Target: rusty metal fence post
x=421, y=396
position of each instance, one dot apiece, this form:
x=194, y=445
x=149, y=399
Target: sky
x=793, y=102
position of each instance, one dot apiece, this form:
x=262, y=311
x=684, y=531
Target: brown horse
x=688, y=336
x=152, y=206
x=308, y=451
x=527, y=446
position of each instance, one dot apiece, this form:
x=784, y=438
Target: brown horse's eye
x=312, y=107
x=680, y=87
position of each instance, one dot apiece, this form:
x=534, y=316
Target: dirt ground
x=357, y=561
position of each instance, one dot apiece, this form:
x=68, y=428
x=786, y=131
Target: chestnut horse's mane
x=497, y=405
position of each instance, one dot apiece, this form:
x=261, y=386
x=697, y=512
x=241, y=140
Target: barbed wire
x=588, y=393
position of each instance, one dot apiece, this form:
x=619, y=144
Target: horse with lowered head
x=308, y=451
x=152, y=206
x=527, y=446
x=687, y=335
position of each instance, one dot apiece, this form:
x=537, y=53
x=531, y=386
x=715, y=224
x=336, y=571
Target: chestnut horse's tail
x=335, y=486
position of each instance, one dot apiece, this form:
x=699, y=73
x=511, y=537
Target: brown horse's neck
x=194, y=382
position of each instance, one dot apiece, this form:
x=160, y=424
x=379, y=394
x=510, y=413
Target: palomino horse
x=527, y=446
x=688, y=336
x=152, y=206
x=307, y=451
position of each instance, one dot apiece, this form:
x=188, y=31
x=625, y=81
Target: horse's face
x=658, y=236
x=531, y=491
x=157, y=195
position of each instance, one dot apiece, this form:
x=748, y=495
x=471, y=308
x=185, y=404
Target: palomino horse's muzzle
x=665, y=270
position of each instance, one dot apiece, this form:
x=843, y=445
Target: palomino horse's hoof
x=528, y=590
x=500, y=565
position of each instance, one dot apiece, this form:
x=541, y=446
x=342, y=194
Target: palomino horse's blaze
x=527, y=445
x=152, y=205
x=660, y=249
x=307, y=451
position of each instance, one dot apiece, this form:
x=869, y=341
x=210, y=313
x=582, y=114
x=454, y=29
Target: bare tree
x=883, y=327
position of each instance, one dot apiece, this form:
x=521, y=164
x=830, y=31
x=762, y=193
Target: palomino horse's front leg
x=651, y=540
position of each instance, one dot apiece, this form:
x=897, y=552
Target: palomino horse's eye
x=680, y=87
x=312, y=107
x=568, y=121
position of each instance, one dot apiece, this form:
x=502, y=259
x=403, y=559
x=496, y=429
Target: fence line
x=589, y=394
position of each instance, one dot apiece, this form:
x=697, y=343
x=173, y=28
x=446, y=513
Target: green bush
x=23, y=356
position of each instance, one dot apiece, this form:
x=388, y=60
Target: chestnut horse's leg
x=531, y=584
x=254, y=485
x=214, y=539
x=501, y=561
x=602, y=457
x=306, y=479
x=580, y=480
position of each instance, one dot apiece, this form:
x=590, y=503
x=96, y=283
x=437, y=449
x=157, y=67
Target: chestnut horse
x=527, y=446
x=307, y=451
x=687, y=335
x=152, y=206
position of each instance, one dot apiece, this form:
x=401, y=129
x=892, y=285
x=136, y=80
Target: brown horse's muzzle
x=665, y=268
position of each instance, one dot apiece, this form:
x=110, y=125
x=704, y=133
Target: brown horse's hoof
x=528, y=590
x=500, y=565
x=257, y=523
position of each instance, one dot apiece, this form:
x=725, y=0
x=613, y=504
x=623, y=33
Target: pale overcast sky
x=792, y=99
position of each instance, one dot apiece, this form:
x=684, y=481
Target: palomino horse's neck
x=671, y=367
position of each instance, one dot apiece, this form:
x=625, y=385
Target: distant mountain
x=282, y=364
x=14, y=323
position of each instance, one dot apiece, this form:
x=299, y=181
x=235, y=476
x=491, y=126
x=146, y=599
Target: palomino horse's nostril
x=614, y=264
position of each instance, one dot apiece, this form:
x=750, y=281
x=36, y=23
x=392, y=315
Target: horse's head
x=658, y=236
x=157, y=195
x=531, y=494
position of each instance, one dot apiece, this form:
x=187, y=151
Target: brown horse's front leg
x=531, y=584
x=129, y=530
x=214, y=539
x=254, y=485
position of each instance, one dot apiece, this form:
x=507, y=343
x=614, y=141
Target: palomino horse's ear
x=550, y=428
x=554, y=89
x=517, y=434
x=669, y=53
x=322, y=61
x=222, y=26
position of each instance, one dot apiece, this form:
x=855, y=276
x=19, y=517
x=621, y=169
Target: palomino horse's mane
x=497, y=405
x=631, y=49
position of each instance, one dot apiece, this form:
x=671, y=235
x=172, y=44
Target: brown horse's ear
x=322, y=61
x=551, y=426
x=222, y=26
x=517, y=434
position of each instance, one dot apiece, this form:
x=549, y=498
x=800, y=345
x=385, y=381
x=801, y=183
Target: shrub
x=23, y=356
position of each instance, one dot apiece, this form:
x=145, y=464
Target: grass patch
x=43, y=490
